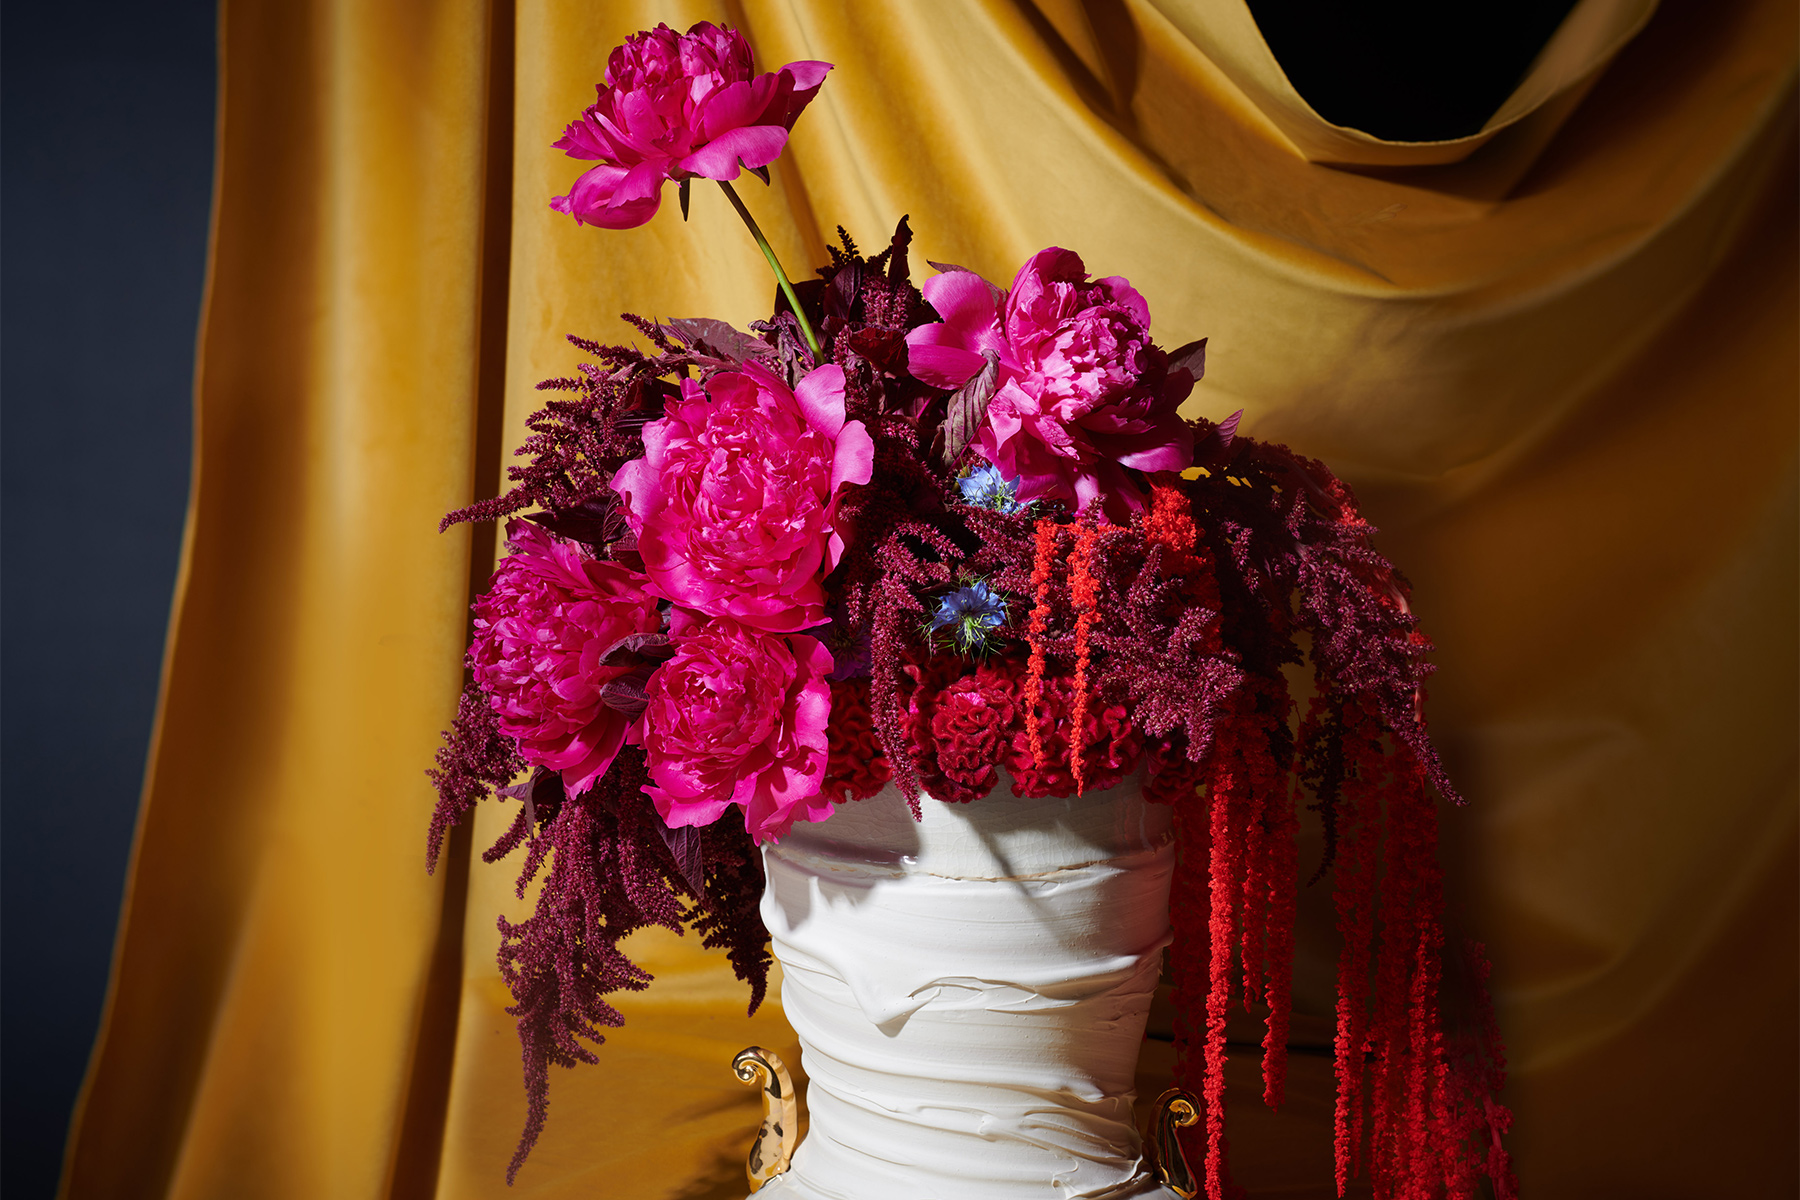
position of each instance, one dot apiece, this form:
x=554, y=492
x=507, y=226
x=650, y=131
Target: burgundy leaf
x=545, y=787
x=596, y=521
x=886, y=348
x=717, y=339
x=646, y=647
x=626, y=693
x=967, y=409
x=1228, y=427
x=689, y=851
x=1192, y=359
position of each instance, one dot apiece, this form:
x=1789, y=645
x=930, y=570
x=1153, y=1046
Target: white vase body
x=970, y=993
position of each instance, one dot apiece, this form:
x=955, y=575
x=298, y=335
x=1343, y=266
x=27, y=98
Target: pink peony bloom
x=676, y=105
x=542, y=629
x=734, y=500
x=739, y=716
x=1082, y=390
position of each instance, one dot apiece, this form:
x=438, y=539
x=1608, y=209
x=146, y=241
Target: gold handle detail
x=1175, y=1108
x=773, y=1148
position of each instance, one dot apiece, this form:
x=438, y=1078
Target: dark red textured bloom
x=856, y=768
x=971, y=726
x=1111, y=745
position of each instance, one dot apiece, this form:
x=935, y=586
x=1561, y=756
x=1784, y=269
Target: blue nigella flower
x=969, y=614
x=985, y=487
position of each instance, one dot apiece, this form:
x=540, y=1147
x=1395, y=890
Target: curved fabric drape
x=1561, y=371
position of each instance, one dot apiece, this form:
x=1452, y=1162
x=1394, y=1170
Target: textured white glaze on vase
x=970, y=993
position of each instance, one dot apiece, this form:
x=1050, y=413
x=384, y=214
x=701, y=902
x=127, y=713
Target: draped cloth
x=1556, y=359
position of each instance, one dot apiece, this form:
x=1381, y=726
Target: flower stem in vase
x=787, y=288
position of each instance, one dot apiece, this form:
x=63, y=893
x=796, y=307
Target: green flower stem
x=787, y=288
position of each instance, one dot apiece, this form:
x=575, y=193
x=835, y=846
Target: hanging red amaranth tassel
x=1353, y=896
x=1034, y=636
x=1257, y=770
x=1229, y=808
x=1283, y=860
x=1084, y=590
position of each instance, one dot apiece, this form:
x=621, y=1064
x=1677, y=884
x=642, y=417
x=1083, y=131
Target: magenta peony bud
x=677, y=105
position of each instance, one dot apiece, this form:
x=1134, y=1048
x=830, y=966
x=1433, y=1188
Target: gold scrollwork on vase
x=773, y=1150
x=1175, y=1109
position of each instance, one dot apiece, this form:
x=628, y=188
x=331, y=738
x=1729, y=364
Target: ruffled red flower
x=855, y=768
x=1112, y=746
x=969, y=730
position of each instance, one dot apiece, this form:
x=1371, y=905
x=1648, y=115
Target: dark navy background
x=106, y=141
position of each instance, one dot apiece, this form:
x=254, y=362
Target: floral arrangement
x=945, y=537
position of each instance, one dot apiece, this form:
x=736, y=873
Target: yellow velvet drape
x=1558, y=361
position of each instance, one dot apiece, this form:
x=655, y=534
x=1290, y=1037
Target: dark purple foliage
x=612, y=874
x=474, y=759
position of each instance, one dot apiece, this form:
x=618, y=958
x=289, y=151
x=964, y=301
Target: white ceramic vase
x=970, y=992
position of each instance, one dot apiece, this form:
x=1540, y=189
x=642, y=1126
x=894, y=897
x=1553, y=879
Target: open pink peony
x=1083, y=392
x=734, y=498
x=676, y=105
x=541, y=631
x=738, y=716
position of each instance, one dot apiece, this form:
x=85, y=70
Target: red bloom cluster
x=856, y=767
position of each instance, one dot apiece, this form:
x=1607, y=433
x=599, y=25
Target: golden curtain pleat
x=1561, y=372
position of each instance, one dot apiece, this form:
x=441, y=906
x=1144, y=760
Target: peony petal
x=678, y=813
x=938, y=365
x=642, y=182
x=821, y=397
x=594, y=200
x=808, y=74
x=754, y=145
x=609, y=735
x=1159, y=450
x=734, y=106
x=963, y=299
x=584, y=139
x=636, y=484
x=854, y=459
x=777, y=614
x=1128, y=298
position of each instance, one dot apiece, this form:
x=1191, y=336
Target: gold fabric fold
x=1560, y=371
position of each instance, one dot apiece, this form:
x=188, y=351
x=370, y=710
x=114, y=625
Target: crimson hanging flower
x=674, y=106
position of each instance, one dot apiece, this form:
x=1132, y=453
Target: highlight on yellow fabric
x=1560, y=371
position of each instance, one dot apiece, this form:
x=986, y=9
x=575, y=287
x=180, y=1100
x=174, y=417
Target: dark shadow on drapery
x=416, y=1160
x=1408, y=72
